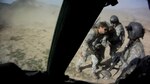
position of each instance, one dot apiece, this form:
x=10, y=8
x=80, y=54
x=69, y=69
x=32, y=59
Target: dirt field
x=27, y=34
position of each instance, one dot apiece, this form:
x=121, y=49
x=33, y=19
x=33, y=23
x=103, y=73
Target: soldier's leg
x=82, y=59
x=94, y=65
x=112, y=51
x=100, y=54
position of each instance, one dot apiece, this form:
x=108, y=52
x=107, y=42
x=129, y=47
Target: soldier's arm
x=89, y=38
x=119, y=30
x=105, y=41
x=120, y=33
x=133, y=59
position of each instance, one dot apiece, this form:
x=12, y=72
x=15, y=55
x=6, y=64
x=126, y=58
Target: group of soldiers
x=113, y=34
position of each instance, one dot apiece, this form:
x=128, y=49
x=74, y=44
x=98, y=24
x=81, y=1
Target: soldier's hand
x=97, y=46
x=93, y=48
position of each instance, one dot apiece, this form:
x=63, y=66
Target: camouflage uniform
x=134, y=51
x=132, y=55
x=131, y=60
x=116, y=39
x=94, y=46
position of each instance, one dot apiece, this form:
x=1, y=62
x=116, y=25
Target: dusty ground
x=27, y=35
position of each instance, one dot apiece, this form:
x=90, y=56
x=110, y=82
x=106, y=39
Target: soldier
x=94, y=45
x=134, y=50
x=116, y=35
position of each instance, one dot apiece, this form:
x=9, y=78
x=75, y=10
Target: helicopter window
x=26, y=31
x=127, y=11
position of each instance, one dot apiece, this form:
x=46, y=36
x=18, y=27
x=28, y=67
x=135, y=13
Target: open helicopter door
x=75, y=20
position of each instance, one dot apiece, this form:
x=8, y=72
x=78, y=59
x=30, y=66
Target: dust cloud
x=27, y=12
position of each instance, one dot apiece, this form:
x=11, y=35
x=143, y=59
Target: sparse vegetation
x=16, y=38
x=1, y=47
x=35, y=64
x=46, y=52
x=17, y=54
x=26, y=38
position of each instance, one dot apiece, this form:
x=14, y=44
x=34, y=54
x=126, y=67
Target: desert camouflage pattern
x=94, y=46
x=132, y=57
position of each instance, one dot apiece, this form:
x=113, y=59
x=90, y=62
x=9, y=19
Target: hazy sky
x=131, y=4
x=55, y=2
x=122, y=3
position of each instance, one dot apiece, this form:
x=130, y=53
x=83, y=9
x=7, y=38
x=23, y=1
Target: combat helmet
x=135, y=30
x=114, y=19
